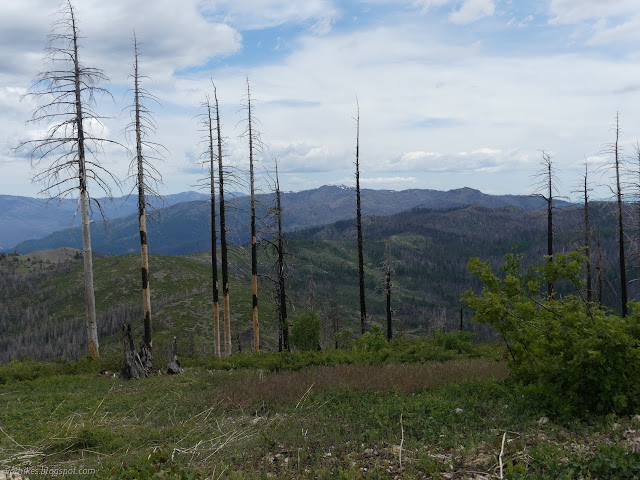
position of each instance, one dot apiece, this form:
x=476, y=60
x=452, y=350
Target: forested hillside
x=43, y=310
x=184, y=227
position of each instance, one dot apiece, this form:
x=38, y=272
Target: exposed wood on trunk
x=132, y=366
x=283, y=337
x=223, y=235
x=214, y=241
x=174, y=366
x=147, y=342
x=363, y=306
x=254, y=244
x=623, y=268
x=92, y=325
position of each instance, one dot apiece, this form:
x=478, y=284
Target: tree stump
x=146, y=358
x=132, y=366
x=174, y=365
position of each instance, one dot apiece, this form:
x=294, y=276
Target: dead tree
x=618, y=160
x=146, y=177
x=254, y=143
x=363, y=306
x=223, y=234
x=211, y=163
x=547, y=189
x=132, y=367
x=68, y=148
x=587, y=234
x=388, y=288
x=174, y=367
x=283, y=321
x=584, y=191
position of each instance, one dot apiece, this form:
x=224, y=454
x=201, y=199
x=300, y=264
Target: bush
x=305, y=331
x=573, y=357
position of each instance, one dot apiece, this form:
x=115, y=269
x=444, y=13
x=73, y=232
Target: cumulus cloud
x=260, y=14
x=472, y=10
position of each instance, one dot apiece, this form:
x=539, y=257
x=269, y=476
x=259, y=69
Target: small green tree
x=572, y=356
x=305, y=331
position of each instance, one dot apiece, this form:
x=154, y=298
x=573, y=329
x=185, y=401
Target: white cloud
x=259, y=14
x=472, y=10
x=387, y=181
x=575, y=11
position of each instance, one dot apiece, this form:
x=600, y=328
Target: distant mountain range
x=184, y=225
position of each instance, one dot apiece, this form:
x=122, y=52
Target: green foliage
x=305, y=331
x=573, y=357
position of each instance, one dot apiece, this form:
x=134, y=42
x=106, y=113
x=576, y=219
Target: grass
x=252, y=417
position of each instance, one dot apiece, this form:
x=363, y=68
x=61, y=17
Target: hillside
x=42, y=308
x=24, y=218
x=429, y=249
x=184, y=227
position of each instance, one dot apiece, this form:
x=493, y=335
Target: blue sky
x=452, y=93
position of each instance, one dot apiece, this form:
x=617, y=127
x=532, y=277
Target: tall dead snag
x=67, y=93
x=388, y=288
x=211, y=160
x=618, y=192
x=223, y=235
x=146, y=178
x=254, y=142
x=283, y=321
x=546, y=187
x=363, y=306
x=587, y=234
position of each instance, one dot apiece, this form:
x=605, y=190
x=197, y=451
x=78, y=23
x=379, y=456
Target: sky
x=452, y=93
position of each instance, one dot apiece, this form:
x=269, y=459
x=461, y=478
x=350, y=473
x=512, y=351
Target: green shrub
x=305, y=331
x=573, y=357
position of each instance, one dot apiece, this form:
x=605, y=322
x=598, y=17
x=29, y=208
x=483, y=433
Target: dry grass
x=291, y=387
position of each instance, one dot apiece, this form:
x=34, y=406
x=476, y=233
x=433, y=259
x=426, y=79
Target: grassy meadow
x=418, y=408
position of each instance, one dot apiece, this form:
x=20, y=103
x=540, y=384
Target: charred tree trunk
x=214, y=241
x=174, y=366
x=363, y=305
x=282, y=297
x=623, y=268
x=587, y=236
x=147, y=343
x=132, y=367
x=223, y=236
x=546, y=158
x=254, y=244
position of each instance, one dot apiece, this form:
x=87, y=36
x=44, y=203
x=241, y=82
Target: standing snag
x=363, y=306
x=68, y=148
x=618, y=160
x=283, y=321
x=146, y=178
x=223, y=235
x=254, y=143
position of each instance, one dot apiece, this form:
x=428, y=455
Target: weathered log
x=132, y=366
x=174, y=365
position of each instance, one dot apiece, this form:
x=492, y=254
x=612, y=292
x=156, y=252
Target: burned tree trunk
x=132, y=367
x=363, y=306
x=388, y=288
x=587, y=236
x=214, y=242
x=283, y=343
x=223, y=236
x=546, y=159
x=174, y=366
x=147, y=178
x=254, y=244
x=623, y=268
